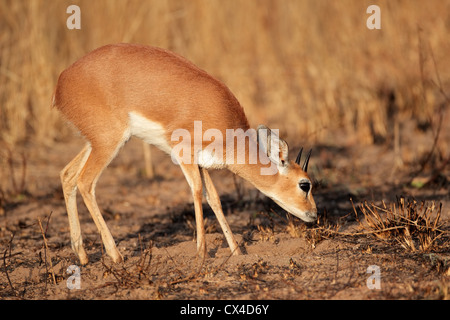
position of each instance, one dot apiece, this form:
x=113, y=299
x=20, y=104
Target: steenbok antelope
x=123, y=90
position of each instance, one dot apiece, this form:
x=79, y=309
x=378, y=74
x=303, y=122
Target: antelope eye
x=305, y=186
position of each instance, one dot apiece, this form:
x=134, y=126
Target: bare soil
x=153, y=223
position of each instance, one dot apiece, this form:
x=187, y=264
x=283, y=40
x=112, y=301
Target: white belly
x=150, y=131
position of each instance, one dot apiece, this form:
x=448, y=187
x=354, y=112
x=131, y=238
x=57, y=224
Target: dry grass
x=415, y=226
x=309, y=68
x=321, y=230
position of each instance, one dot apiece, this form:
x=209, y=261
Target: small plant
x=321, y=230
x=415, y=226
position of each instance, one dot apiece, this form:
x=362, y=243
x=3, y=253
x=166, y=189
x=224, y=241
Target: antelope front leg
x=192, y=174
x=214, y=201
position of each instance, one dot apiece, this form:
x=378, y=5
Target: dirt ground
x=153, y=223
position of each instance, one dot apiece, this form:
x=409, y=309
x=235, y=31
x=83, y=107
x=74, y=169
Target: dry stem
x=46, y=248
x=415, y=227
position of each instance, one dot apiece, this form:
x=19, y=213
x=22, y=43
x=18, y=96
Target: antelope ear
x=274, y=147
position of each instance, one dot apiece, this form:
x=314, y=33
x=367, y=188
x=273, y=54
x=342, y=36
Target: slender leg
x=192, y=174
x=149, y=167
x=69, y=176
x=214, y=201
x=99, y=158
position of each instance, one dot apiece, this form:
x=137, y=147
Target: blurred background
x=373, y=105
x=310, y=68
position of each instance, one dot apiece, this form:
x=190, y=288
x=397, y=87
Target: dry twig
x=5, y=266
x=43, y=233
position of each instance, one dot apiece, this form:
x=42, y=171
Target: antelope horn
x=299, y=156
x=305, y=164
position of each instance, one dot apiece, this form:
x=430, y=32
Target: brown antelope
x=123, y=90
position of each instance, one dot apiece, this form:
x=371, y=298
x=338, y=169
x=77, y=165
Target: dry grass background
x=310, y=68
